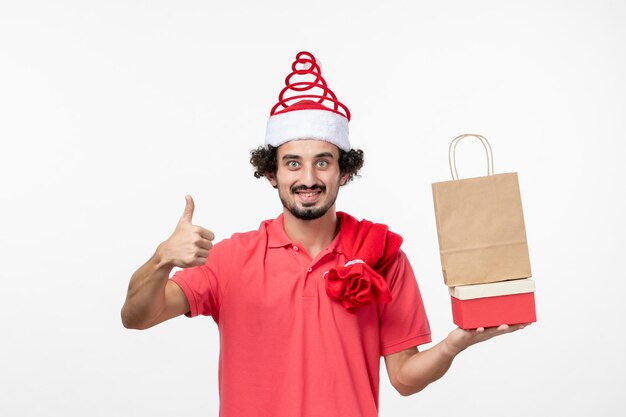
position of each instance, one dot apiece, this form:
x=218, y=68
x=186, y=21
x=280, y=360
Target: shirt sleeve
x=200, y=285
x=403, y=321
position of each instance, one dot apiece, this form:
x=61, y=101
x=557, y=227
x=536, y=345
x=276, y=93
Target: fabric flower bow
x=359, y=282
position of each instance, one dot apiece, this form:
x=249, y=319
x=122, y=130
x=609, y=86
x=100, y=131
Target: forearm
x=145, y=298
x=423, y=368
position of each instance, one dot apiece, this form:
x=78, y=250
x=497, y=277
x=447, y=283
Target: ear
x=272, y=179
x=343, y=180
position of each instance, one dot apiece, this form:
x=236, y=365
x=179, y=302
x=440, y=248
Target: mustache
x=316, y=187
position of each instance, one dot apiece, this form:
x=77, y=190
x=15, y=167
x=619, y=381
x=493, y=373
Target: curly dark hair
x=264, y=161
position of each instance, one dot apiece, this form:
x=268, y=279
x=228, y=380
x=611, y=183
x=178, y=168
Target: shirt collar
x=277, y=238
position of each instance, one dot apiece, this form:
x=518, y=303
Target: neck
x=315, y=235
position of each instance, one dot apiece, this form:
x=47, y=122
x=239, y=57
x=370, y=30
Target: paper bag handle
x=452, y=154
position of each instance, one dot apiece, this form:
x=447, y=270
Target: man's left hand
x=459, y=340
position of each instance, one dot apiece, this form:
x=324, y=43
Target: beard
x=304, y=212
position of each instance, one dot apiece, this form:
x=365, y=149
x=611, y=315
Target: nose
x=309, y=175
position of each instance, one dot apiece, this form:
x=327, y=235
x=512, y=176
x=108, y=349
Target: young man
x=307, y=304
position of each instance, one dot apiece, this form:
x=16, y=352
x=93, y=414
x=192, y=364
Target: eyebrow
x=319, y=155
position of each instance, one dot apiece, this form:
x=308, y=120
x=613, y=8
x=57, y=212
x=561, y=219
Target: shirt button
x=295, y=247
x=310, y=269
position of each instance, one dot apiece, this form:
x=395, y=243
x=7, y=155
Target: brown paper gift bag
x=480, y=225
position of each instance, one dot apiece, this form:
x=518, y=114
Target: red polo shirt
x=286, y=348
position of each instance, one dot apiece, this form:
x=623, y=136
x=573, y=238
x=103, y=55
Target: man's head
x=307, y=174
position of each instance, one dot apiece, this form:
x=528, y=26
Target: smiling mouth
x=308, y=194
x=308, y=197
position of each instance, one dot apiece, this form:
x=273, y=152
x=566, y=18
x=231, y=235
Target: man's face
x=308, y=177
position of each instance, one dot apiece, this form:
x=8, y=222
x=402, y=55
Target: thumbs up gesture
x=189, y=245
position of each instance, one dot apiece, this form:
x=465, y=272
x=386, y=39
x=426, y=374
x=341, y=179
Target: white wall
x=110, y=112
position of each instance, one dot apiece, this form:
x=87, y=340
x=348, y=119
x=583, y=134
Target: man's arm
x=152, y=298
x=411, y=371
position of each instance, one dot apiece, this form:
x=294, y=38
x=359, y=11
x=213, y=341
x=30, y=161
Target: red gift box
x=489, y=305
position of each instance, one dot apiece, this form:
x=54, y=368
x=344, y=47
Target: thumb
x=188, y=212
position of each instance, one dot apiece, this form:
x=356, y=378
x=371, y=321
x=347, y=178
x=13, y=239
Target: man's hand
x=189, y=245
x=459, y=340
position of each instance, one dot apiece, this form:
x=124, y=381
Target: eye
x=322, y=163
x=293, y=164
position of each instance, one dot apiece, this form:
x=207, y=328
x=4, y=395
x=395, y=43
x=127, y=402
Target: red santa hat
x=307, y=108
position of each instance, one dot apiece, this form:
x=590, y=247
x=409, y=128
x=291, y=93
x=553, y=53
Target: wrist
x=449, y=349
x=161, y=260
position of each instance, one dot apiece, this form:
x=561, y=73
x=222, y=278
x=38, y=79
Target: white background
x=110, y=112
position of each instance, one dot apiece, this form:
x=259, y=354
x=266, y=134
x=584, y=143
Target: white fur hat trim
x=316, y=124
